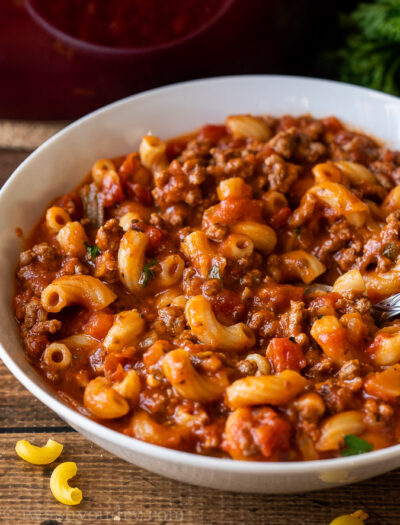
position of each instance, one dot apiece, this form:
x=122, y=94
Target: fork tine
x=393, y=301
x=383, y=311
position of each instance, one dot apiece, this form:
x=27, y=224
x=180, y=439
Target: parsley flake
x=320, y=316
x=93, y=250
x=355, y=445
x=297, y=231
x=215, y=273
x=147, y=273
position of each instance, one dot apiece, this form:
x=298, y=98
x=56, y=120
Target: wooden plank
x=27, y=135
x=115, y=491
x=9, y=160
x=20, y=409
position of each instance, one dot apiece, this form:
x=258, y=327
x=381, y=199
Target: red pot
x=48, y=74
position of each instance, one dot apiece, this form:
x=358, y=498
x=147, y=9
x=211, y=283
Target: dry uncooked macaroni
x=38, y=455
x=59, y=484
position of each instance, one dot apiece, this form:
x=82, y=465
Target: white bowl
x=62, y=162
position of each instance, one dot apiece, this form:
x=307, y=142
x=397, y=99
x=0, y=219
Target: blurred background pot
x=48, y=73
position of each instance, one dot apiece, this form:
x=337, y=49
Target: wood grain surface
x=118, y=492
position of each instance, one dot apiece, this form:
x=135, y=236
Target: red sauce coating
x=258, y=322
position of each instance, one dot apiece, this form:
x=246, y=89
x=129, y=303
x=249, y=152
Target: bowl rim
x=156, y=451
x=91, y=47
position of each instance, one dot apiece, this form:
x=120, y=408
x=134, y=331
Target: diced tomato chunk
x=154, y=235
x=132, y=170
x=332, y=124
x=285, y=354
x=228, y=306
x=175, y=148
x=113, y=368
x=388, y=156
x=97, y=324
x=155, y=353
x=212, y=132
x=111, y=189
x=72, y=203
x=273, y=433
x=229, y=211
x=139, y=193
x=287, y=121
x=114, y=365
x=325, y=304
x=279, y=218
x=256, y=433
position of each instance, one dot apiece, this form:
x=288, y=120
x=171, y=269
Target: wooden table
x=115, y=491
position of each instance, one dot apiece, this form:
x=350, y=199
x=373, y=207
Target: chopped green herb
x=320, y=316
x=292, y=339
x=297, y=231
x=355, y=445
x=370, y=51
x=147, y=273
x=215, y=273
x=391, y=251
x=93, y=250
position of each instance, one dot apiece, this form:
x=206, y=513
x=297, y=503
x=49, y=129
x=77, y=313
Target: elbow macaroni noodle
x=38, y=455
x=205, y=326
x=296, y=265
x=197, y=248
x=237, y=246
x=100, y=168
x=131, y=256
x=262, y=236
x=331, y=336
x=152, y=152
x=385, y=348
x=125, y=330
x=336, y=427
x=103, y=400
x=72, y=239
x=170, y=272
x=248, y=127
x=271, y=389
x=59, y=484
x=350, y=283
x=342, y=202
x=57, y=355
x=56, y=219
x=76, y=289
x=187, y=382
x=233, y=188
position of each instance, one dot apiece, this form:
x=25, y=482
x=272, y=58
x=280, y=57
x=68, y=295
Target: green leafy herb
x=297, y=231
x=147, y=273
x=355, y=445
x=391, y=251
x=93, y=250
x=370, y=55
x=320, y=316
x=215, y=273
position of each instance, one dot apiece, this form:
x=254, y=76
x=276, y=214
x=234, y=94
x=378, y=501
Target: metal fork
x=383, y=311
